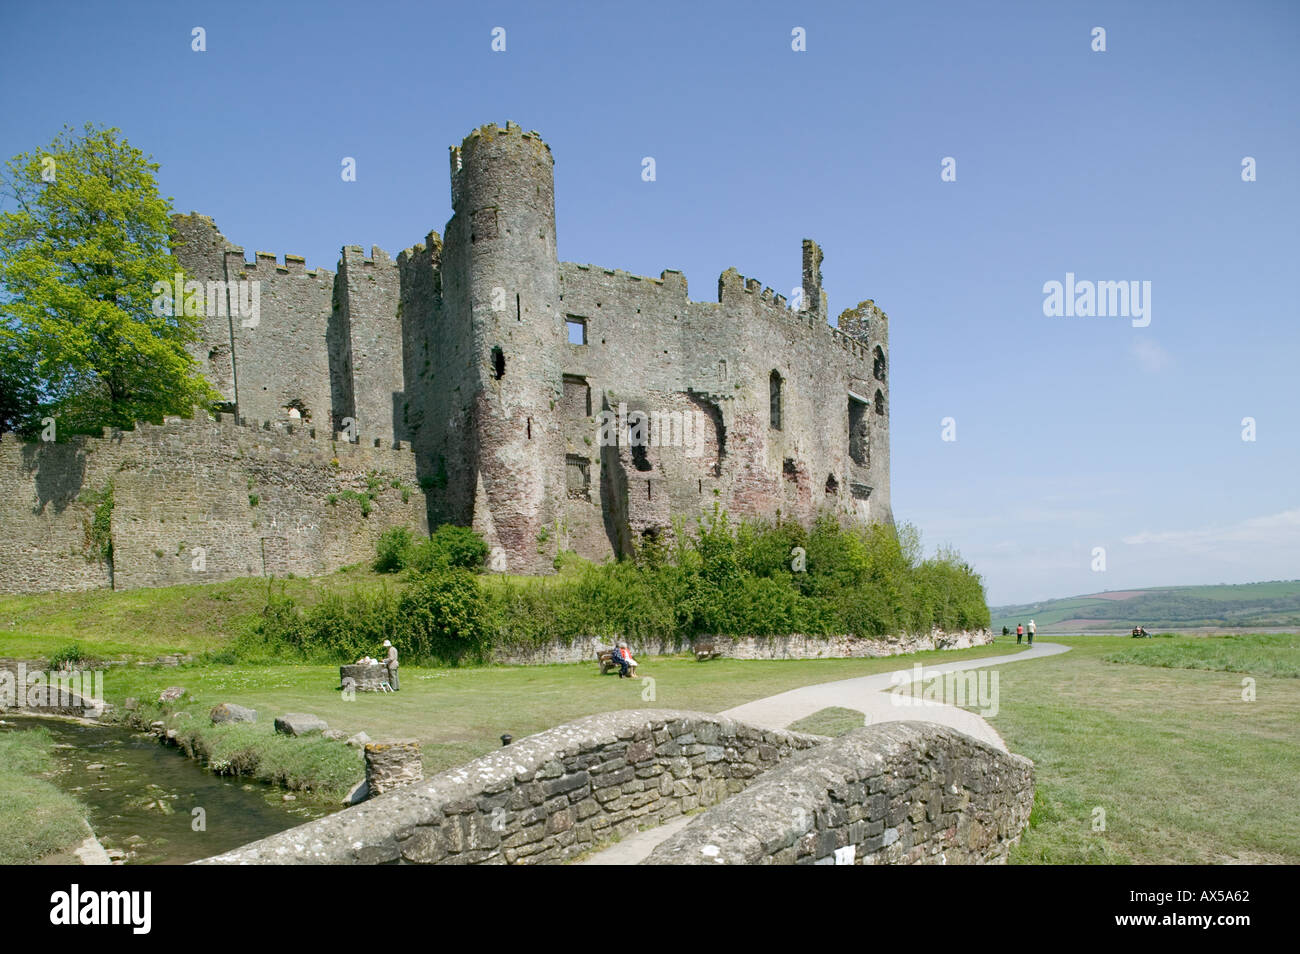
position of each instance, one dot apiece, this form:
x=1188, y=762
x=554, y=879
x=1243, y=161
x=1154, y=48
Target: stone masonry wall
x=196, y=501
x=752, y=647
x=545, y=798
x=893, y=793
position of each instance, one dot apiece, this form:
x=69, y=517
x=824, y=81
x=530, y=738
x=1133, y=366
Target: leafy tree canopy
x=86, y=238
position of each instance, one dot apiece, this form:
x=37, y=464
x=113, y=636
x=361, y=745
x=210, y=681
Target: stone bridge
x=575, y=788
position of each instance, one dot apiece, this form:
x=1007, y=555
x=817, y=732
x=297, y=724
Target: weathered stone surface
x=363, y=678
x=299, y=723
x=358, y=740
x=813, y=805
x=392, y=764
x=232, y=712
x=539, y=800
x=171, y=693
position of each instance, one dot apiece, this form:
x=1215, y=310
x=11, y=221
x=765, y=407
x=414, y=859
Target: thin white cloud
x=1152, y=358
x=1277, y=528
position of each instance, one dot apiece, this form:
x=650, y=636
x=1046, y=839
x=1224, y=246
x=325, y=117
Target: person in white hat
x=390, y=660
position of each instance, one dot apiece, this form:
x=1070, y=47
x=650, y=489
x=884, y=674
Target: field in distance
x=1245, y=606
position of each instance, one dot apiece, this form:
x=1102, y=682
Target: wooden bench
x=605, y=658
x=705, y=651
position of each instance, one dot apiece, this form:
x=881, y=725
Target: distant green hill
x=1243, y=606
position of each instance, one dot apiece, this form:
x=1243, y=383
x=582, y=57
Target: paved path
x=633, y=848
x=869, y=695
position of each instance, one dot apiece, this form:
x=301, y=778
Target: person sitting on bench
x=623, y=656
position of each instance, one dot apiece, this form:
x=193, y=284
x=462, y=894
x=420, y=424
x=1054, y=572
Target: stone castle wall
x=461, y=348
x=196, y=501
x=894, y=793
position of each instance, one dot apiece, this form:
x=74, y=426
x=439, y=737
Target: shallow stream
x=142, y=797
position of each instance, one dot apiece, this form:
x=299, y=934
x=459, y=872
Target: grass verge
x=36, y=819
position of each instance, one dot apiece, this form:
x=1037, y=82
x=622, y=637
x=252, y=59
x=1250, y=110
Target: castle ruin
x=549, y=405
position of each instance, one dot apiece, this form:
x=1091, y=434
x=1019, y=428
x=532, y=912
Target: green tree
x=80, y=252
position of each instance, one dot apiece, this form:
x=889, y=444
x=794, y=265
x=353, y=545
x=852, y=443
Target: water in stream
x=141, y=795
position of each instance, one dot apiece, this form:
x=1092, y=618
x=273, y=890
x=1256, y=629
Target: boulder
x=358, y=793
x=171, y=694
x=231, y=712
x=358, y=740
x=335, y=735
x=131, y=704
x=298, y=723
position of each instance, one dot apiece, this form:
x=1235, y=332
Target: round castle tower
x=501, y=276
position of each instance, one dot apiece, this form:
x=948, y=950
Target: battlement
x=267, y=264
x=353, y=256
x=493, y=131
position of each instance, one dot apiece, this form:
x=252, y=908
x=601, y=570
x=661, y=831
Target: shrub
x=449, y=547
x=444, y=616
x=393, y=550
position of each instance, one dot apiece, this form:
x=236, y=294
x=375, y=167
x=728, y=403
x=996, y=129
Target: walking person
x=1020, y=633
x=390, y=660
x=1032, y=629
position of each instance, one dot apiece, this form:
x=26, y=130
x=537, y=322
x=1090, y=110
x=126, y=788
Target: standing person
x=1032, y=629
x=1020, y=633
x=390, y=660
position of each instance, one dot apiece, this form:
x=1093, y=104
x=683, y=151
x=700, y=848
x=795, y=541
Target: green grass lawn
x=1260, y=654
x=460, y=714
x=1184, y=769
x=833, y=721
x=36, y=818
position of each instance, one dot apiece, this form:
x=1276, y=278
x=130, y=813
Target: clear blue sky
x=1072, y=433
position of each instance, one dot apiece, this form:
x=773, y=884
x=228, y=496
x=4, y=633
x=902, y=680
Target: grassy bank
x=323, y=767
x=146, y=623
x=36, y=819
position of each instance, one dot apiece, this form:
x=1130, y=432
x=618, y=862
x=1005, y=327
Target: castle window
x=878, y=365
x=832, y=485
x=498, y=363
x=577, y=397
x=519, y=314
x=639, y=459
x=859, y=436
x=774, y=399
x=578, y=477
x=577, y=328
x=880, y=402
x=790, y=470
